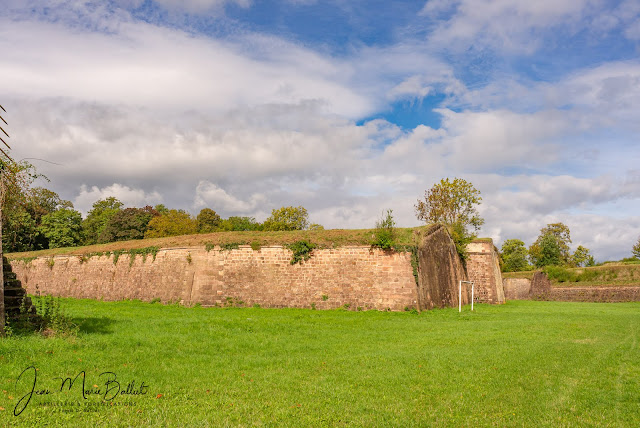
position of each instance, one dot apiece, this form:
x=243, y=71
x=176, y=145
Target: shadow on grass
x=94, y=325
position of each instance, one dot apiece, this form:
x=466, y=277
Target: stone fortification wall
x=360, y=277
x=516, y=288
x=439, y=270
x=357, y=276
x=483, y=268
x=540, y=289
x=595, y=294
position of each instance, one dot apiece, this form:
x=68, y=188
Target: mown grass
x=520, y=364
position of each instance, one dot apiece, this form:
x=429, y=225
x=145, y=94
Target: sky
x=348, y=108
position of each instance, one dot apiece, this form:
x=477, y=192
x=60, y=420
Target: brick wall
x=523, y=289
x=483, y=269
x=516, y=288
x=357, y=276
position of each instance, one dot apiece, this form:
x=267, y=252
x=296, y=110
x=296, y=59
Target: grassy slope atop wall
x=322, y=238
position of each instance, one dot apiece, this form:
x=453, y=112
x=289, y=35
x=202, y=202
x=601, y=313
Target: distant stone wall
x=540, y=289
x=360, y=277
x=516, y=288
x=483, y=268
x=595, y=294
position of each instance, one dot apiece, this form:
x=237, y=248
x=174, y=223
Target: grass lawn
x=520, y=364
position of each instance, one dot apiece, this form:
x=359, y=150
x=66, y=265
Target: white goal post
x=460, y=294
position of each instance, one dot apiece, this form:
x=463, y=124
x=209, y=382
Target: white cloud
x=146, y=65
x=210, y=195
x=128, y=196
x=199, y=6
x=507, y=25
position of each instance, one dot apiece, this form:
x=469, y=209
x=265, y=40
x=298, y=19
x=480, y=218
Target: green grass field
x=520, y=364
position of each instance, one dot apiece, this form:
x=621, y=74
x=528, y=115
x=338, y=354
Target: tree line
x=37, y=218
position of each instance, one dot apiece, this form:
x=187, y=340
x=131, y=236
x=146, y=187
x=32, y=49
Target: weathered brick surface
x=439, y=271
x=525, y=289
x=516, y=288
x=483, y=269
x=357, y=276
x=595, y=294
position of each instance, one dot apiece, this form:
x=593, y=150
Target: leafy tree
x=582, y=257
x=129, y=223
x=208, y=221
x=560, y=233
x=385, y=233
x=97, y=219
x=233, y=223
x=161, y=209
x=550, y=253
x=316, y=226
x=636, y=249
x=41, y=201
x=453, y=203
x=20, y=230
x=63, y=228
x=287, y=218
x=514, y=256
x=173, y=223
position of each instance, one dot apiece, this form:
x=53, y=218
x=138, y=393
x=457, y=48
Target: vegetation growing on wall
x=385, y=233
x=301, y=251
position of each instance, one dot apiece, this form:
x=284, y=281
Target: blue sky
x=345, y=107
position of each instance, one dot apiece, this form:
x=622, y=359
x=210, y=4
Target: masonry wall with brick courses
x=358, y=276
x=516, y=288
x=523, y=289
x=483, y=268
x=595, y=294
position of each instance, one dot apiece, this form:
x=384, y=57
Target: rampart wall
x=353, y=276
x=360, y=277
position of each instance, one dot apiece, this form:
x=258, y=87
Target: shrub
x=385, y=233
x=301, y=251
x=53, y=319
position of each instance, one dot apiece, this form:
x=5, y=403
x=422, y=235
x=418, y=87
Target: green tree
x=63, y=228
x=208, y=221
x=237, y=224
x=287, y=218
x=582, y=257
x=454, y=204
x=97, y=219
x=129, y=223
x=161, y=209
x=550, y=253
x=20, y=230
x=173, y=223
x=558, y=232
x=514, y=256
x=41, y=201
x=636, y=249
